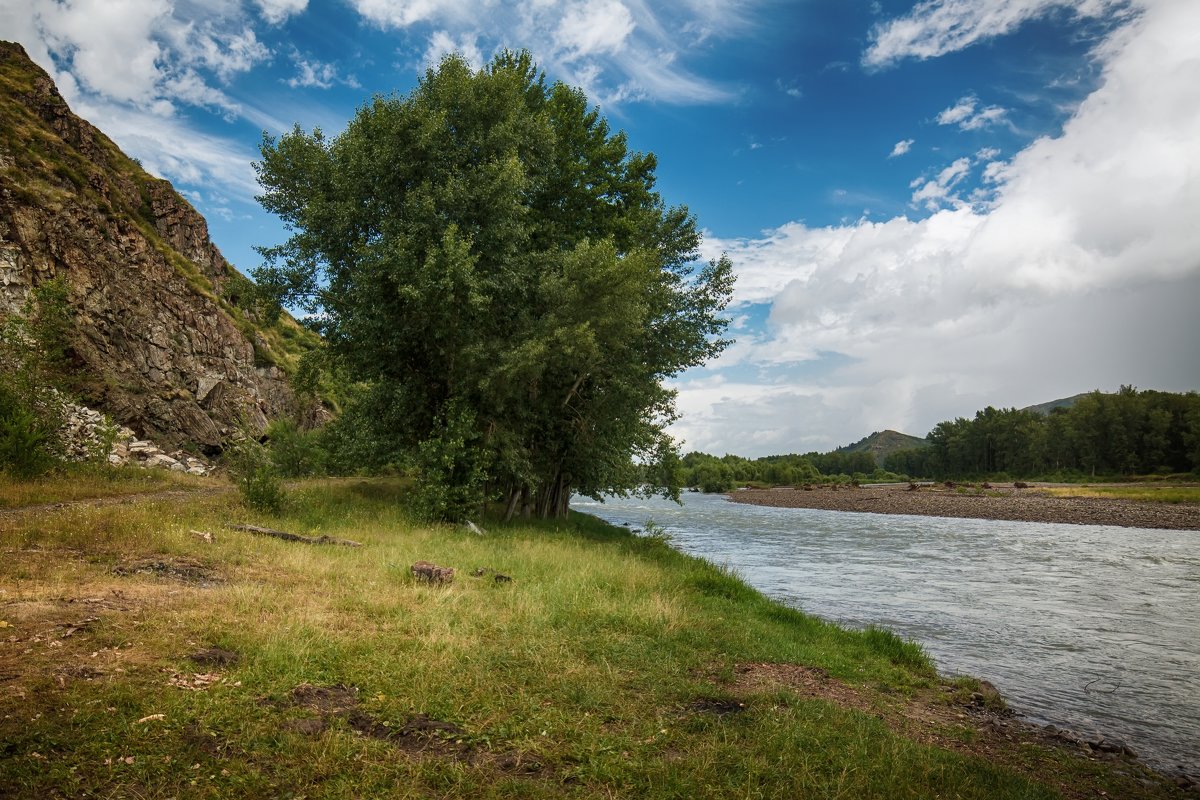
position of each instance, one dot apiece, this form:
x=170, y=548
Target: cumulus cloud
x=901, y=147
x=968, y=117
x=936, y=27
x=136, y=51
x=277, y=11
x=1090, y=237
x=596, y=26
x=442, y=44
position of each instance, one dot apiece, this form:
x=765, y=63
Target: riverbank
x=1000, y=501
x=148, y=650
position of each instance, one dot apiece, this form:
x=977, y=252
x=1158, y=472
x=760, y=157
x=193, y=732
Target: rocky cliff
x=163, y=339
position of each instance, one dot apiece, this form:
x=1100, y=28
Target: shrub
x=27, y=438
x=295, y=453
x=257, y=478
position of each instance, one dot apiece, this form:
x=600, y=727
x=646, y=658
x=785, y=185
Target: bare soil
x=998, y=501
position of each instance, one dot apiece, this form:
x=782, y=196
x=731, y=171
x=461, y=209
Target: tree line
x=1129, y=432
x=710, y=473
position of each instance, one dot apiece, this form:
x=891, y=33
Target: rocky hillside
x=163, y=337
x=881, y=444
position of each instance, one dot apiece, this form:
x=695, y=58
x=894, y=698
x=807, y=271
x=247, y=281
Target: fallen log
x=294, y=537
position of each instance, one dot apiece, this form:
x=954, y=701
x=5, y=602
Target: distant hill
x=881, y=444
x=1046, y=408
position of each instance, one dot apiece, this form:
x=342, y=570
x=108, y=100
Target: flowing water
x=1092, y=628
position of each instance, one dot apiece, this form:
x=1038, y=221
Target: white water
x=1093, y=628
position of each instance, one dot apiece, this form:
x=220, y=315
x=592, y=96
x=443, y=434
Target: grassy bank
x=609, y=666
x=1142, y=493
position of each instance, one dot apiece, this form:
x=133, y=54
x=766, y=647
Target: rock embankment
x=998, y=502
x=86, y=433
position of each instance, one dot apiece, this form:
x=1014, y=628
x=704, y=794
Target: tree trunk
x=514, y=497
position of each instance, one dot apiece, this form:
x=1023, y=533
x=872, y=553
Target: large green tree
x=497, y=265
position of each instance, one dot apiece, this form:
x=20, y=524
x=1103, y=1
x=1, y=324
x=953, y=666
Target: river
x=1092, y=628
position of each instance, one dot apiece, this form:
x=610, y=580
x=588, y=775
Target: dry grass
x=82, y=482
x=1141, y=493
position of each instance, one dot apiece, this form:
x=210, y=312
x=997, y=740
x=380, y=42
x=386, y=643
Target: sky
x=931, y=207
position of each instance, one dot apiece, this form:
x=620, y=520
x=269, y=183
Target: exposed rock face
x=159, y=340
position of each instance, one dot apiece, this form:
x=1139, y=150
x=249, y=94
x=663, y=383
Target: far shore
x=998, y=501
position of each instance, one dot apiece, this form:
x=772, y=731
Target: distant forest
x=1129, y=432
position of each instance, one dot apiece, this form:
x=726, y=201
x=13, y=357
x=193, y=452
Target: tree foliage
x=33, y=361
x=497, y=268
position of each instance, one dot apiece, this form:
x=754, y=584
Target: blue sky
x=931, y=206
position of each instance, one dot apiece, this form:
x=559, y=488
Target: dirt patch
x=720, y=708
x=330, y=700
x=420, y=735
x=179, y=568
x=215, y=657
x=1000, y=501
x=307, y=726
x=967, y=719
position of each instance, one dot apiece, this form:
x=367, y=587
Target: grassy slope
x=607, y=667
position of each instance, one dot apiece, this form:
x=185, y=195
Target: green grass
x=591, y=664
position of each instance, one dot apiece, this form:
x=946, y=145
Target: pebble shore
x=997, y=502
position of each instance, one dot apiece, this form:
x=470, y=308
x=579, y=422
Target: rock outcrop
x=162, y=340
x=87, y=434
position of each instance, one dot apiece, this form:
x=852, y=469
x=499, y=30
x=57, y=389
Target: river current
x=1092, y=628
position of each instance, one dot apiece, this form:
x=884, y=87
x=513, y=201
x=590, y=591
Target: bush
x=295, y=453
x=27, y=438
x=256, y=476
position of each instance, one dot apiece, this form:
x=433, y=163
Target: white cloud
x=1081, y=272
x=277, y=11
x=594, y=26
x=442, y=44
x=617, y=51
x=901, y=147
x=130, y=66
x=933, y=194
x=965, y=115
x=402, y=13
x=311, y=73
x=136, y=51
x=936, y=27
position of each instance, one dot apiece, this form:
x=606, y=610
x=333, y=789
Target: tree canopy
x=496, y=265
